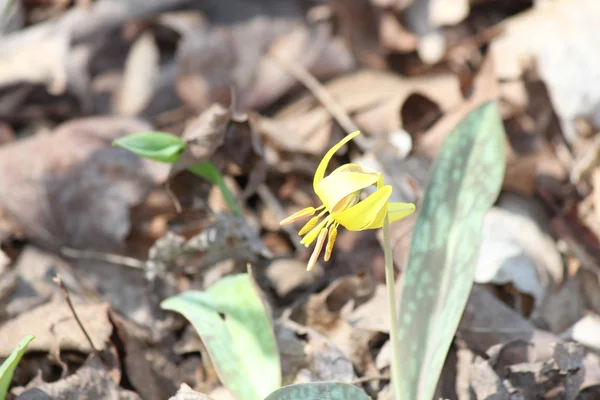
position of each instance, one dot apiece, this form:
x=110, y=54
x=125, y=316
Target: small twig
x=365, y=379
x=59, y=281
x=99, y=256
x=330, y=104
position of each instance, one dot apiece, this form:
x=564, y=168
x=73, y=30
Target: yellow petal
x=335, y=187
x=378, y=220
x=320, y=173
x=365, y=213
x=398, y=211
x=352, y=167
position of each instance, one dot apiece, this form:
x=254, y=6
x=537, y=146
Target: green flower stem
x=208, y=171
x=391, y=295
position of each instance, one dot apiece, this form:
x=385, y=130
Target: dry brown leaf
x=316, y=50
x=92, y=381
x=487, y=321
x=40, y=62
x=359, y=21
x=485, y=88
x=375, y=96
x=41, y=183
x=139, y=76
x=212, y=59
x=558, y=37
x=287, y=275
x=394, y=36
x=186, y=393
x=53, y=325
x=325, y=313
x=33, y=285
x=143, y=362
x=203, y=135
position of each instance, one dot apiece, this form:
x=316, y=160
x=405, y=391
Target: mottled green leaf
x=157, y=146
x=319, y=391
x=7, y=368
x=236, y=330
x=465, y=181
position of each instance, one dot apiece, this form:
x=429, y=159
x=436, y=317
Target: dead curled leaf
x=45, y=193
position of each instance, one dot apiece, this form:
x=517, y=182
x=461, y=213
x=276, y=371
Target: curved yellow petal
x=335, y=187
x=398, y=210
x=320, y=173
x=352, y=167
x=365, y=213
x=378, y=220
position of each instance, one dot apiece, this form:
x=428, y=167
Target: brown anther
x=330, y=242
x=317, y=251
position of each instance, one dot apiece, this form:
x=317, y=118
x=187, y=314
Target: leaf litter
x=236, y=81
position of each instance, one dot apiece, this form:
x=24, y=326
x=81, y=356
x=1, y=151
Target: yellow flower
x=340, y=194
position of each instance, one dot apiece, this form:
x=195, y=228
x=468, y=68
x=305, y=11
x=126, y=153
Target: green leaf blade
x=7, y=369
x=158, y=146
x=319, y=391
x=235, y=328
x=465, y=181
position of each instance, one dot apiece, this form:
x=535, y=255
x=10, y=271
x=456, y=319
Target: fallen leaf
x=139, y=76
x=287, y=275
x=54, y=207
x=375, y=96
x=203, y=135
x=517, y=248
x=585, y=331
x=358, y=20
x=53, y=324
x=92, y=381
x=556, y=37
x=487, y=321
x=186, y=393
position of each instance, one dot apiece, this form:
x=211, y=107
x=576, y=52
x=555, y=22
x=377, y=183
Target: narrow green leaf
x=157, y=146
x=208, y=171
x=7, y=368
x=465, y=181
x=235, y=328
x=319, y=391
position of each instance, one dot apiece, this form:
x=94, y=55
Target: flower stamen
x=330, y=241
x=306, y=212
x=317, y=251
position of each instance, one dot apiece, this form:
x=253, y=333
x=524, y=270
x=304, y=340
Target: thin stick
x=365, y=379
x=330, y=104
x=58, y=280
x=391, y=295
x=99, y=256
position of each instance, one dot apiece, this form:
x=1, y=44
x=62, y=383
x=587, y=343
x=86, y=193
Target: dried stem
x=366, y=379
x=99, y=256
x=58, y=280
